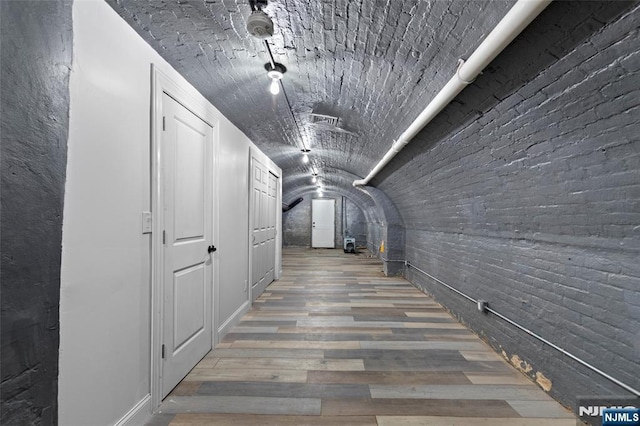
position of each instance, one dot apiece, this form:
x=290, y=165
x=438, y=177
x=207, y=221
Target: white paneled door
x=188, y=205
x=263, y=227
x=323, y=223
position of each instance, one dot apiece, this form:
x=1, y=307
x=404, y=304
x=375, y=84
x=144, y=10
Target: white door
x=187, y=181
x=323, y=223
x=263, y=228
x=272, y=192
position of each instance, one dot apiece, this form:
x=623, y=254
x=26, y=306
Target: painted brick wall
x=339, y=228
x=374, y=237
x=296, y=225
x=36, y=58
x=531, y=199
x=356, y=223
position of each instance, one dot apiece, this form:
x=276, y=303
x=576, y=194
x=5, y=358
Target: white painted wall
x=233, y=207
x=105, y=283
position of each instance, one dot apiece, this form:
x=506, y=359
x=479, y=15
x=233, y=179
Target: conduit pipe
x=623, y=385
x=516, y=20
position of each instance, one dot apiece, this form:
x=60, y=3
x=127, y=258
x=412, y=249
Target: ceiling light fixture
x=305, y=156
x=259, y=24
x=275, y=73
x=274, y=88
x=314, y=178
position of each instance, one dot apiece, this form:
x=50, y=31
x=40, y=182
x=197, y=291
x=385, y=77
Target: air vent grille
x=324, y=119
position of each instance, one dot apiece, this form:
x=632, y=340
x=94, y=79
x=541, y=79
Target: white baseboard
x=233, y=319
x=138, y=415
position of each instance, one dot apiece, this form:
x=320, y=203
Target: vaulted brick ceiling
x=373, y=64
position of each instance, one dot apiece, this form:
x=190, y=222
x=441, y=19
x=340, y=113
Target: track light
x=314, y=178
x=275, y=73
x=305, y=156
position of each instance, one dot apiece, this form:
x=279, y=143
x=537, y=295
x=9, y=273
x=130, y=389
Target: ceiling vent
x=328, y=123
x=324, y=119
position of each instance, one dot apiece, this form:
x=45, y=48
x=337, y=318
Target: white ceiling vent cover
x=324, y=119
x=328, y=123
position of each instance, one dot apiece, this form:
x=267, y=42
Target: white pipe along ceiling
x=516, y=20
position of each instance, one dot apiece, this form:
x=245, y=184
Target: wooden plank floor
x=336, y=342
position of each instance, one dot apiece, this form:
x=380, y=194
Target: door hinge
x=164, y=124
x=164, y=237
x=162, y=351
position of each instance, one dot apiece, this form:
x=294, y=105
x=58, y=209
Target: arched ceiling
x=337, y=183
x=373, y=64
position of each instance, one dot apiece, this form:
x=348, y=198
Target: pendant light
x=305, y=156
x=274, y=88
x=275, y=72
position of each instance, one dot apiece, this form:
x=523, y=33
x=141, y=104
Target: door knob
x=211, y=249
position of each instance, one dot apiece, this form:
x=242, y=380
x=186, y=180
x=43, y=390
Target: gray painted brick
x=37, y=44
x=537, y=211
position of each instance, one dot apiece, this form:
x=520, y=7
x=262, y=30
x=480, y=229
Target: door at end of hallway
x=323, y=223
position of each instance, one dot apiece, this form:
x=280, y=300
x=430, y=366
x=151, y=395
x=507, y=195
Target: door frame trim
x=187, y=96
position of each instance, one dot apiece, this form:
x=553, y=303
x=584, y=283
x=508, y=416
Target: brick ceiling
x=373, y=64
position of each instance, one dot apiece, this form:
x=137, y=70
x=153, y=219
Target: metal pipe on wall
x=516, y=20
x=529, y=332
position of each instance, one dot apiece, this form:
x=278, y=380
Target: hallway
x=336, y=342
x=491, y=145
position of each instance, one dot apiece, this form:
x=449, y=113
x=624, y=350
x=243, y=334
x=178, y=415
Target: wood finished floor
x=335, y=342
